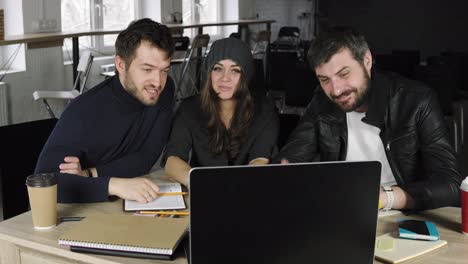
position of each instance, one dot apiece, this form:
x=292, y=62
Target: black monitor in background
x=296, y=213
x=289, y=71
x=20, y=146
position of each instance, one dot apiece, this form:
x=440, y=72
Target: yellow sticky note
x=385, y=244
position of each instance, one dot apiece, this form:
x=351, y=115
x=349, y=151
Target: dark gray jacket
x=413, y=132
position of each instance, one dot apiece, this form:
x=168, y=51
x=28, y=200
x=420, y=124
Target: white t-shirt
x=364, y=144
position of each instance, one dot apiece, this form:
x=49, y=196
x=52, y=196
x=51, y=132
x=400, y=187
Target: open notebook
x=162, y=202
x=153, y=235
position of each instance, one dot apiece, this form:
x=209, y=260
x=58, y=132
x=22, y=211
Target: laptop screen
x=295, y=213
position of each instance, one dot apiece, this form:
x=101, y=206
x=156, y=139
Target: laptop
x=322, y=212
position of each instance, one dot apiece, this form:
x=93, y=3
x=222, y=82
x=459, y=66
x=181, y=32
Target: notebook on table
x=293, y=213
x=126, y=233
x=402, y=249
x=161, y=202
x=119, y=253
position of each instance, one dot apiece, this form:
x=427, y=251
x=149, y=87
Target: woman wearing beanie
x=223, y=125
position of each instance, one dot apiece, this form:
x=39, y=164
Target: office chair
x=21, y=145
x=181, y=44
x=236, y=35
x=176, y=32
x=289, y=32
x=199, y=44
x=84, y=67
x=261, y=41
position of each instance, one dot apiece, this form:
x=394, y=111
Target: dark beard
x=360, y=101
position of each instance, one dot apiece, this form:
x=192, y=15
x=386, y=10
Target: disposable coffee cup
x=42, y=191
x=464, y=202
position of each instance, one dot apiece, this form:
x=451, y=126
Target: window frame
x=219, y=16
x=97, y=22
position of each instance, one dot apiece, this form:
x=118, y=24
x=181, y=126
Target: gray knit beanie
x=230, y=49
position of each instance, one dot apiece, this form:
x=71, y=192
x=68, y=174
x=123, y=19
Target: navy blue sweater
x=109, y=129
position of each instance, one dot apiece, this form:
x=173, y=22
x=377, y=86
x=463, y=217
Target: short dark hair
x=143, y=30
x=333, y=41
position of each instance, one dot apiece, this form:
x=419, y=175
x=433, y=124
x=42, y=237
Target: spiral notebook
x=153, y=235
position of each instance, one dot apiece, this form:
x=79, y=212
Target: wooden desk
x=448, y=222
x=20, y=243
x=40, y=40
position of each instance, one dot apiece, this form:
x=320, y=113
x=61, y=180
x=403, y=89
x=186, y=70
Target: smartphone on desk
x=417, y=229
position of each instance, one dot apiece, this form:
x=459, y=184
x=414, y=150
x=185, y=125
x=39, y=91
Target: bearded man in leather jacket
x=364, y=114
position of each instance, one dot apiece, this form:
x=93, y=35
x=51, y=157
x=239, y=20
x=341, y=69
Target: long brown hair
x=223, y=139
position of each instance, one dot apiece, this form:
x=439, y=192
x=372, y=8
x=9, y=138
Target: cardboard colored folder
x=405, y=249
x=153, y=235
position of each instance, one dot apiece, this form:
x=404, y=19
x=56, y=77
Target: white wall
x=286, y=13
x=231, y=12
x=247, y=9
x=13, y=10
x=301, y=15
x=151, y=9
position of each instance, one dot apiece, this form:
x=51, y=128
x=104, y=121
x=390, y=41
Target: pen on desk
x=172, y=193
x=165, y=212
x=71, y=218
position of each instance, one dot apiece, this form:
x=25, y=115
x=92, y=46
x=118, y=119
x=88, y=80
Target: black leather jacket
x=412, y=130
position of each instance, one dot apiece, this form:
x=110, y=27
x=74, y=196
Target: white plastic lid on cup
x=464, y=185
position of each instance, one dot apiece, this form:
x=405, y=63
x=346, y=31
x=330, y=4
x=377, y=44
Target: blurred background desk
x=242, y=25
x=42, y=40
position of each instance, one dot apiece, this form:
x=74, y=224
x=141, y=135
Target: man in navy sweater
x=116, y=131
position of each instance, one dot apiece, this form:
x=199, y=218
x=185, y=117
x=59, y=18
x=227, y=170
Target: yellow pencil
x=165, y=212
x=172, y=193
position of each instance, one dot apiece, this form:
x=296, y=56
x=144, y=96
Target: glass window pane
x=187, y=11
x=76, y=17
x=201, y=11
x=209, y=12
x=187, y=16
x=117, y=15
